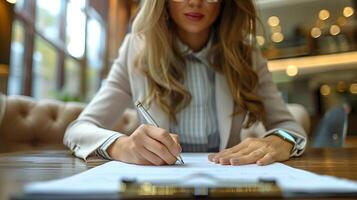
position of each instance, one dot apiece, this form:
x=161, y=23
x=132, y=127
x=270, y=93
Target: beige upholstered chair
x=29, y=124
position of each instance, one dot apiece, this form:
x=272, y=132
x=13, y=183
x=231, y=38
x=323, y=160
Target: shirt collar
x=200, y=55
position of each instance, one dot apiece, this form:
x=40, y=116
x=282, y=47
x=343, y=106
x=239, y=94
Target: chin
x=194, y=29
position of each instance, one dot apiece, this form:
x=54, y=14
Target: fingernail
x=234, y=161
x=224, y=161
x=259, y=163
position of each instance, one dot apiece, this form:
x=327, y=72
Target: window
x=48, y=18
x=17, y=58
x=76, y=28
x=95, y=54
x=57, y=49
x=20, y=5
x=44, y=69
x=71, y=90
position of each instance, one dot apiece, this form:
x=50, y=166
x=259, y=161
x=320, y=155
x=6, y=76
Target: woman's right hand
x=147, y=145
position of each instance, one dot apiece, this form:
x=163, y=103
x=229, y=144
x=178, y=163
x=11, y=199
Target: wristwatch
x=285, y=136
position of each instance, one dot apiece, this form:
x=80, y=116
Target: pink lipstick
x=194, y=16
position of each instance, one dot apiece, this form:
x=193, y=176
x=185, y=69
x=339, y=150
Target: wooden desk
x=351, y=141
x=17, y=169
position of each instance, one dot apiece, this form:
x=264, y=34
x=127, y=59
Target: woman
x=194, y=64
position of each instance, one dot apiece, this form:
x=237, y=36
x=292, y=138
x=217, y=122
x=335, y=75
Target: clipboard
x=131, y=189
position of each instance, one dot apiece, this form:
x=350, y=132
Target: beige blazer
x=125, y=85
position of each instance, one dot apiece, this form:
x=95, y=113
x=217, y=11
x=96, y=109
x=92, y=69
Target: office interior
x=55, y=55
x=64, y=49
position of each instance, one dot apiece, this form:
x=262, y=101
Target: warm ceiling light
x=316, y=32
x=292, y=70
x=260, y=40
x=324, y=14
x=11, y=1
x=348, y=11
x=353, y=88
x=335, y=30
x=277, y=37
x=325, y=90
x=274, y=21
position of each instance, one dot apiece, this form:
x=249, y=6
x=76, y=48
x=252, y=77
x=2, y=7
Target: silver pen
x=151, y=121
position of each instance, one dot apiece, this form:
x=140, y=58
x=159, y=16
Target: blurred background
x=63, y=49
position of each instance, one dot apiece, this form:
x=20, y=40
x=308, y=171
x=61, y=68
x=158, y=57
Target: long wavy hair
x=231, y=53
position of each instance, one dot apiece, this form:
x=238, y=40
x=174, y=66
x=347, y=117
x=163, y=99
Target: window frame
x=27, y=17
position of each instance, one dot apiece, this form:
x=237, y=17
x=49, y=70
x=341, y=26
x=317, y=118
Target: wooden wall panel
x=6, y=17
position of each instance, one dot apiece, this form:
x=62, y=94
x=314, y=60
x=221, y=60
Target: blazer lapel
x=160, y=117
x=224, y=106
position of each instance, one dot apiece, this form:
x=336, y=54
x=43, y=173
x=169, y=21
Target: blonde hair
x=231, y=55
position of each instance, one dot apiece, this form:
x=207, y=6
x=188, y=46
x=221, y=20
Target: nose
x=195, y=3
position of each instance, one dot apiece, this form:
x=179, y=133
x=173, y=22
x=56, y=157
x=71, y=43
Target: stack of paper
x=197, y=171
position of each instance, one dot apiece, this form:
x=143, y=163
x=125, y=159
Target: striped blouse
x=197, y=125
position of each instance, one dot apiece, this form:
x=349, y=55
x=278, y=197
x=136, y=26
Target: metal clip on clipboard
x=133, y=189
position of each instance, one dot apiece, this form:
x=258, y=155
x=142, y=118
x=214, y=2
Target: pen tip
x=181, y=160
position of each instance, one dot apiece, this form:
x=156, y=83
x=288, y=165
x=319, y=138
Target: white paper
x=197, y=171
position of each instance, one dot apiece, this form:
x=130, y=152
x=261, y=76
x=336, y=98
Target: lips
x=194, y=16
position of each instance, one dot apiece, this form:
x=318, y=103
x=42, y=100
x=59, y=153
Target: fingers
x=159, y=150
x=226, y=160
x=262, y=151
x=149, y=158
x=164, y=137
x=266, y=160
x=248, y=159
x=149, y=145
x=223, y=154
x=176, y=138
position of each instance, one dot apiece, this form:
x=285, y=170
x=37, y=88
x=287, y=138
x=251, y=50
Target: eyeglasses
x=208, y=1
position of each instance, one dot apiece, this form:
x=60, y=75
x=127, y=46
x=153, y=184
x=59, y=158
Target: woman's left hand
x=262, y=151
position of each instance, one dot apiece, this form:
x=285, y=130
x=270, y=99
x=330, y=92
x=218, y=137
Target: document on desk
x=197, y=171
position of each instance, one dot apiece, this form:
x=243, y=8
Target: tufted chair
x=29, y=124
